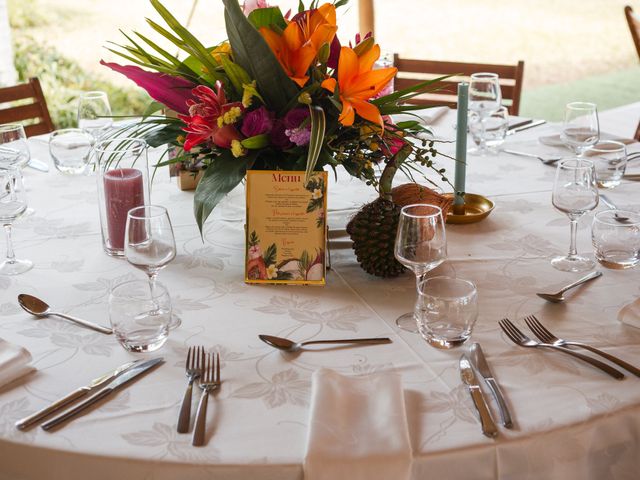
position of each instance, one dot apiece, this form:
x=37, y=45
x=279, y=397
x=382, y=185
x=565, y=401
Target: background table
x=572, y=421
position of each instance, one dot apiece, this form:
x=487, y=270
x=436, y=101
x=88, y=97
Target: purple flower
x=295, y=117
x=257, y=122
x=278, y=136
x=298, y=128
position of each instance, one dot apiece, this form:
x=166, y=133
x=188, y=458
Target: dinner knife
x=526, y=127
x=122, y=380
x=95, y=384
x=479, y=361
x=470, y=379
x=519, y=124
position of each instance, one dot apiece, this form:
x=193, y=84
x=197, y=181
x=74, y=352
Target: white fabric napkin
x=630, y=314
x=14, y=362
x=427, y=115
x=358, y=428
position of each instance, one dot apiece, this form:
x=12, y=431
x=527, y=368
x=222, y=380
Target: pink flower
x=298, y=128
x=257, y=122
x=250, y=5
x=255, y=252
x=392, y=142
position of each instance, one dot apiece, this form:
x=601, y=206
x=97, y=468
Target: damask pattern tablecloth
x=571, y=421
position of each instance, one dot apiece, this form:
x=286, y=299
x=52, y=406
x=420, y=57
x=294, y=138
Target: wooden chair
x=411, y=72
x=26, y=103
x=634, y=26
x=637, y=135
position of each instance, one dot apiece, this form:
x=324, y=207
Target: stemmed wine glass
x=94, y=113
x=421, y=245
x=13, y=203
x=14, y=149
x=150, y=244
x=581, y=129
x=485, y=98
x=574, y=193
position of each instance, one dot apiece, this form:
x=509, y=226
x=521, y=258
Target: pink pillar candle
x=123, y=190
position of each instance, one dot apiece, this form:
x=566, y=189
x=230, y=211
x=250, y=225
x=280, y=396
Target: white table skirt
x=571, y=421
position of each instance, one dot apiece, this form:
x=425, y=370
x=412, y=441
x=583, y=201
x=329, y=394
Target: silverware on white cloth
x=558, y=296
x=209, y=381
x=39, y=308
x=471, y=381
x=519, y=124
x=537, y=123
x=193, y=367
x=609, y=203
x=291, y=346
x=480, y=363
x=38, y=165
x=78, y=393
x=516, y=336
x=549, y=160
x=545, y=335
x=119, y=382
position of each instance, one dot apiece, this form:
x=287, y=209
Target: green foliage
x=270, y=254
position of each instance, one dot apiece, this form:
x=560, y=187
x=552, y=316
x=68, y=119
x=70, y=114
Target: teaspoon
x=39, y=308
x=559, y=296
x=291, y=346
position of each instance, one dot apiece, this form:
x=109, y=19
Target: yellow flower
x=272, y=271
x=317, y=193
x=222, y=49
x=233, y=114
x=368, y=165
x=237, y=150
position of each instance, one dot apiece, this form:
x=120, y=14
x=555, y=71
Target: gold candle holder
x=475, y=209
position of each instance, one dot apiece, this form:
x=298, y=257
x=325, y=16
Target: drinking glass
x=14, y=149
x=489, y=132
x=140, y=317
x=574, y=193
x=581, y=128
x=149, y=242
x=94, y=113
x=13, y=203
x=421, y=245
x=610, y=159
x=485, y=98
x=446, y=310
x=616, y=238
x=70, y=148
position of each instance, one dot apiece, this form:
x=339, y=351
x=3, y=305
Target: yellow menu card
x=286, y=227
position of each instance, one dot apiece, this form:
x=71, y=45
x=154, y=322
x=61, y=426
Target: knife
x=526, y=127
x=470, y=379
x=95, y=384
x=122, y=380
x=519, y=124
x=38, y=165
x=480, y=363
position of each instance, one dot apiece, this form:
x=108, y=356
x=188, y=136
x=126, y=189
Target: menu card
x=286, y=227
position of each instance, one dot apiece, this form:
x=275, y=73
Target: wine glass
x=14, y=149
x=13, y=203
x=485, y=98
x=581, y=128
x=574, y=193
x=421, y=245
x=150, y=244
x=94, y=113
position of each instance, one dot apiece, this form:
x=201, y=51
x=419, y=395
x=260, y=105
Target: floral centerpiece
x=282, y=93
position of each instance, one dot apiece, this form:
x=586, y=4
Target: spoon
x=612, y=206
x=291, y=346
x=546, y=160
x=559, y=297
x=37, y=307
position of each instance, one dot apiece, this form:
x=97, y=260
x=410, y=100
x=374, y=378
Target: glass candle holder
x=123, y=184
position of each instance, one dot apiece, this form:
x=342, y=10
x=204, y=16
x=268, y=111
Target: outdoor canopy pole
x=367, y=18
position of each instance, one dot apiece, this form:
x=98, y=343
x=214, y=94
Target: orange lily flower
x=298, y=45
x=358, y=82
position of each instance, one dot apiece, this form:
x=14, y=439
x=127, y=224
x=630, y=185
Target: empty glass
x=616, y=238
x=140, y=317
x=581, y=128
x=488, y=133
x=610, y=159
x=446, y=311
x=574, y=193
x=13, y=203
x=14, y=149
x=421, y=245
x=70, y=150
x=485, y=95
x=94, y=113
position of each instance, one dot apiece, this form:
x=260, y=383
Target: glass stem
x=11, y=257
x=152, y=289
x=574, y=232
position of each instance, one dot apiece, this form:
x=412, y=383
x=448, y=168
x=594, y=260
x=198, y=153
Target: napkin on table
x=358, y=428
x=14, y=362
x=630, y=314
x=427, y=115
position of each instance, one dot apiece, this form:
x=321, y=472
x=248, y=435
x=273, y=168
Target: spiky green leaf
x=318, y=125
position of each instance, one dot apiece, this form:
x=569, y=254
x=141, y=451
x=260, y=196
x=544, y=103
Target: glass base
x=573, y=264
x=142, y=340
x=16, y=267
x=175, y=322
x=407, y=322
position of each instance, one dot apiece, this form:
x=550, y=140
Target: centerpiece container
x=123, y=184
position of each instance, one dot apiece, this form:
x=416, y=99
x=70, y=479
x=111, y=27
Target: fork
x=519, y=338
x=545, y=335
x=193, y=367
x=209, y=381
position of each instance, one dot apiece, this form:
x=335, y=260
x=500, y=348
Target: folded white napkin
x=427, y=115
x=630, y=314
x=14, y=362
x=358, y=428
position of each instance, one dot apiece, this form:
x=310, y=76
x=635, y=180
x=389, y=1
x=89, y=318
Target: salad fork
x=545, y=335
x=519, y=338
x=209, y=381
x=193, y=367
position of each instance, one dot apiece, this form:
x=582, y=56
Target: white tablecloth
x=571, y=421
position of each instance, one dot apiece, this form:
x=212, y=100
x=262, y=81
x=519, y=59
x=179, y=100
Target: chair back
x=25, y=103
x=634, y=26
x=411, y=72
x=637, y=135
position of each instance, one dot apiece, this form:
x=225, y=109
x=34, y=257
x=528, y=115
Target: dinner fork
x=209, y=381
x=193, y=367
x=519, y=338
x=545, y=335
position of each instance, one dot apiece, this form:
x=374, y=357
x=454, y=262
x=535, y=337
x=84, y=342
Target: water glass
x=610, y=159
x=14, y=149
x=94, y=113
x=139, y=318
x=70, y=150
x=488, y=132
x=13, y=203
x=446, y=311
x=485, y=95
x=616, y=238
x=581, y=127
